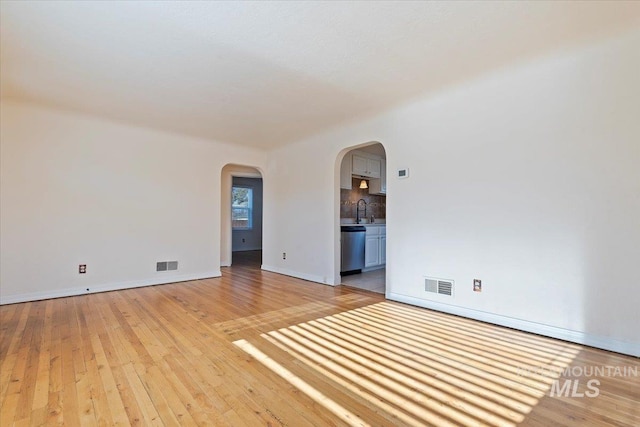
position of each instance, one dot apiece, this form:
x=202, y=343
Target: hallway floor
x=247, y=258
x=374, y=281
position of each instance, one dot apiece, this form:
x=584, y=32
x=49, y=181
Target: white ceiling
x=268, y=73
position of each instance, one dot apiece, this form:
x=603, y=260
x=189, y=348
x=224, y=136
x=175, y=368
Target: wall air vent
x=431, y=285
x=438, y=286
x=166, y=265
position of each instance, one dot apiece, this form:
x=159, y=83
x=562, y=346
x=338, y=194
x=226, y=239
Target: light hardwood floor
x=256, y=348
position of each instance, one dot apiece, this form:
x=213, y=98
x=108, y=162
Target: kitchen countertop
x=348, y=221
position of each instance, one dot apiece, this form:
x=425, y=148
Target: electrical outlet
x=82, y=268
x=284, y=255
x=477, y=285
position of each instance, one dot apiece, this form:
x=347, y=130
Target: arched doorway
x=361, y=209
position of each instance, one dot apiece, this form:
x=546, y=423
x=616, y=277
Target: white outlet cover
x=403, y=173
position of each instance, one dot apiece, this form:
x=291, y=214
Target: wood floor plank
x=258, y=348
x=20, y=379
x=41, y=394
x=55, y=415
x=30, y=377
x=150, y=415
x=12, y=348
x=68, y=343
x=9, y=319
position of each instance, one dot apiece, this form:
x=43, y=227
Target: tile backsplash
x=376, y=204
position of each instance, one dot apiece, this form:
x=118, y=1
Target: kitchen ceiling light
x=363, y=184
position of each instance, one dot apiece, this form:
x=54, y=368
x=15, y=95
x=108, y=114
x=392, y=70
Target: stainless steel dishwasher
x=352, y=240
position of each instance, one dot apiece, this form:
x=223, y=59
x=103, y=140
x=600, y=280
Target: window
x=241, y=208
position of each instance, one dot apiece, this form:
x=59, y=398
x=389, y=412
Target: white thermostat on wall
x=403, y=173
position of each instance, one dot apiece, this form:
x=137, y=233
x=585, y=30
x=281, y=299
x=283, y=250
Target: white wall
x=527, y=178
x=300, y=212
x=79, y=190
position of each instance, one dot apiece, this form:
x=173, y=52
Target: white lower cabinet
x=375, y=250
x=372, y=251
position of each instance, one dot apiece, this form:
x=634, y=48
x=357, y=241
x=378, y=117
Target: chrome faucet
x=358, y=210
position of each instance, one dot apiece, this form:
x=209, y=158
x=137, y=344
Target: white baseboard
x=624, y=347
x=92, y=289
x=297, y=274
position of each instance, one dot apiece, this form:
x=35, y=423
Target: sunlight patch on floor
x=422, y=367
x=300, y=384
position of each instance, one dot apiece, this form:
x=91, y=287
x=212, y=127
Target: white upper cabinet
x=366, y=166
x=374, y=166
x=379, y=185
x=345, y=172
x=359, y=165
